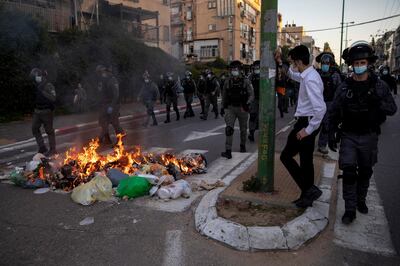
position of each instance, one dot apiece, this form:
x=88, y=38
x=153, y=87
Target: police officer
x=109, y=103
x=45, y=98
x=331, y=78
x=148, y=95
x=254, y=105
x=161, y=88
x=171, y=97
x=386, y=77
x=201, y=89
x=237, y=96
x=189, y=89
x=211, y=94
x=361, y=104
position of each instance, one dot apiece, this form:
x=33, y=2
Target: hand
x=301, y=134
x=109, y=110
x=332, y=142
x=222, y=112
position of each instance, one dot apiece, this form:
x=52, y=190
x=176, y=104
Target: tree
x=327, y=48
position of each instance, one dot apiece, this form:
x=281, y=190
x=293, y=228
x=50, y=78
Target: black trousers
x=302, y=174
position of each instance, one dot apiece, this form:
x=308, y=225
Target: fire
x=89, y=160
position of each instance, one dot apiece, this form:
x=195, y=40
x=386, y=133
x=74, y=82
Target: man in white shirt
x=310, y=110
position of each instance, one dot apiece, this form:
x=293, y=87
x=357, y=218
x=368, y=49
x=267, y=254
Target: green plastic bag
x=133, y=187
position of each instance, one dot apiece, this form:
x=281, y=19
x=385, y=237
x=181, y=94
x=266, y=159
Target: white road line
x=188, y=151
x=173, y=253
x=369, y=232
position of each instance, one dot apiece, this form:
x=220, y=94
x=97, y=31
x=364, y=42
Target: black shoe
x=242, y=148
x=42, y=150
x=362, y=207
x=155, y=123
x=50, y=153
x=185, y=115
x=177, y=117
x=167, y=121
x=227, y=154
x=348, y=217
x=304, y=203
x=313, y=193
x=202, y=113
x=216, y=116
x=251, y=137
x=203, y=117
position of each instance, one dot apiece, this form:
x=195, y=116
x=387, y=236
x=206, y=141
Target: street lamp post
x=341, y=37
x=347, y=29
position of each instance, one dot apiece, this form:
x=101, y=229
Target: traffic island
x=253, y=225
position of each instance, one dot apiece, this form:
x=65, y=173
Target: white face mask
x=209, y=76
x=146, y=80
x=256, y=71
x=235, y=73
x=38, y=79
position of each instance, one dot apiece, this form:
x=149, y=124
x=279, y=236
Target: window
x=209, y=51
x=212, y=27
x=243, y=50
x=212, y=4
x=166, y=33
x=165, y=2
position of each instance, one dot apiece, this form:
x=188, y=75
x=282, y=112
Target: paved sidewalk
x=21, y=130
x=289, y=236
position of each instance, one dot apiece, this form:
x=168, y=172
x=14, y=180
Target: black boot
x=251, y=136
x=42, y=150
x=178, y=116
x=203, y=117
x=216, y=115
x=167, y=120
x=227, y=154
x=362, y=207
x=242, y=148
x=348, y=217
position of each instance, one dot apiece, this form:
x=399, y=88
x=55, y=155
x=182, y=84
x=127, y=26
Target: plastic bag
x=133, y=187
x=17, y=176
x=99, y=188
x=151, y=178
x=116, y=176
x=175, y=190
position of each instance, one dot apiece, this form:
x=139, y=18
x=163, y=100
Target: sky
x=320, y=14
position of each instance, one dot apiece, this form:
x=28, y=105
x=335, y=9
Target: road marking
x=173, y=253
x=189, y=151
x=158, y=150
x=369, y=232
x=328, y=170
x=200, y=135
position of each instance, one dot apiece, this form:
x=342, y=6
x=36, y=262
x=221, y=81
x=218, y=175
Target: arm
x=294, y=75
x=314, y=89
x=387, y=103
x=250, y=91
x=225, y=95
x=115, y=90
x=49, y=92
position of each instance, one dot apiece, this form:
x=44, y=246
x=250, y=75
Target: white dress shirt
x=311, y=99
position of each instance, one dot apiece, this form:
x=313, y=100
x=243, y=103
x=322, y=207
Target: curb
x=287, y=237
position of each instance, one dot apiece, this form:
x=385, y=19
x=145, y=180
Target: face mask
x=325, y=68
x=170, y=78
x=360, y=70
x=209, y=76
x=38, y=79
x=385, y=72
x=235, y=73
x=256, y=71
x=188, y=77
x=146, y=80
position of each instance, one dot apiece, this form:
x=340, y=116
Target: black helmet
x=256, y=63
x=325, y=58
x=235, y=64
x=383, y=68
x=361, y=50
x=37, y=72
x=345, y=55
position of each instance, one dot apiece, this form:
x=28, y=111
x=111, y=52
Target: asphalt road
x=44, y=229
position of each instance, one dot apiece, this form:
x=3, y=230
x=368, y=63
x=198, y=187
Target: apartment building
x=204, y=30
x=148, y=20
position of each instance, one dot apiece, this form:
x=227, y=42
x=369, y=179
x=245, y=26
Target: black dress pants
x=303, y=173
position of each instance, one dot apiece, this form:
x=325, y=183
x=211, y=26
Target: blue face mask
x=325, y=68
x=360, y=70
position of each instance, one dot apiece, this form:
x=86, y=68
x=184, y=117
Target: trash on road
x=210, y=186
x=41, y=190
x=87, y=221
x=91, y=175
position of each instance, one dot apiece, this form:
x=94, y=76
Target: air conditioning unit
x=189, y=15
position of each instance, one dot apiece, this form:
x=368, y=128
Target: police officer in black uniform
x=331, y=78
x=189, y=89
x=361, y=104
x=45, y=98
x=211, y=94
x=386, y=77
x=237, y=96
x=109, y=103
x=171, y=97
x=254, y=105
x=201, y=89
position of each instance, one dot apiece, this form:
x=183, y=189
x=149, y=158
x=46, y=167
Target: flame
x=41, y=173
x=89, y=160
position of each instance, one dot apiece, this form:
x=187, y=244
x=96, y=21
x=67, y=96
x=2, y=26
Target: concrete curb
x=288, y=237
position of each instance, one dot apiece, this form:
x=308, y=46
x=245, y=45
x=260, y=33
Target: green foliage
x=252, y=185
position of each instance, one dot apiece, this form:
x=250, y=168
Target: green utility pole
x=266, y=144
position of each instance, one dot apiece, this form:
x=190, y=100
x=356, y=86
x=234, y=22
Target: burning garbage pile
x=90, y=172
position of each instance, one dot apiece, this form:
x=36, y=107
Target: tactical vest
x=107, y=92
x=236, y=93
x=210, y=85
x=329, y=88
x=359, y=114
x=41, y=102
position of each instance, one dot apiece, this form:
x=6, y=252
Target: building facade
x=148, y=20
x=396, y=40
x=204, y=30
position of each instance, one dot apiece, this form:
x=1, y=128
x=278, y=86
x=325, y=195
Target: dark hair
x=301, y=53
